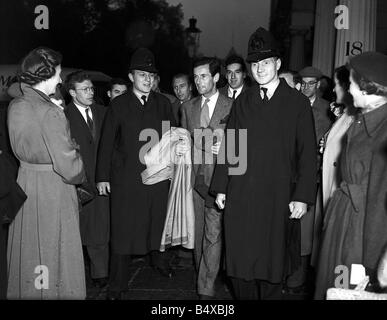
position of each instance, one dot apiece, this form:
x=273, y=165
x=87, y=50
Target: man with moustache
x=85, y=118
x=209, y=110
x=264, y=204
x=236, y=75
x=138, y=211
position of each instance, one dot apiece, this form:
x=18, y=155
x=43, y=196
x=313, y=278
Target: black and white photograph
x=193, y=154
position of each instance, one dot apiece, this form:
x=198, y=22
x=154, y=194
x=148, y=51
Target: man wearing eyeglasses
x=310, y=82
x=85, y=118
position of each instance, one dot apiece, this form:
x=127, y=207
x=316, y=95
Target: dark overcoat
x=138, y=211
x=94, y=216
x=281, y=167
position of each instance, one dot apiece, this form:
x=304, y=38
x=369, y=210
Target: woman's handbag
x=85, y=193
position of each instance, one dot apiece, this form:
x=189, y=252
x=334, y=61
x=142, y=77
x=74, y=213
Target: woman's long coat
x=45, y=233
x=138, y=211
x=355, y=224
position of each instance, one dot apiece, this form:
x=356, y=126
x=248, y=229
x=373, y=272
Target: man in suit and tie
x=236, y=77
x=85, y=119
x=209, y=110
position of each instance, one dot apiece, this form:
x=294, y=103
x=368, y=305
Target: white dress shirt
x=211, y=103
x=271, y=87
x=82, y=110
x=139, y=95
x=231, y=91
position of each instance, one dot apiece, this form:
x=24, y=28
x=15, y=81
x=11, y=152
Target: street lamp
x=192, y=38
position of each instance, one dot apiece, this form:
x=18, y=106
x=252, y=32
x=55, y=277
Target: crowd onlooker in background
x=235, y=74
x=325, y=89
x=182, y=87
x=310, y=82
x=44, y=238
x=332, y=144
x=355, y=223
x=117, y=86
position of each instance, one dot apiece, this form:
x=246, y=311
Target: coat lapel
x=196, y=112
x=79, y=120
x=218, y=112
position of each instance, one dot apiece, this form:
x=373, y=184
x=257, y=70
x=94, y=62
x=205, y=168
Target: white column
x=361, y=34
x=324, y=36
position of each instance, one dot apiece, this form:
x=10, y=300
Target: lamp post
x=192, y=38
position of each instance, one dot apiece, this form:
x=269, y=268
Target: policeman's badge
x=148, y=61
x=257, y=43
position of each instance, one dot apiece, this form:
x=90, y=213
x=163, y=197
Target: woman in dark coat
x=355, y=224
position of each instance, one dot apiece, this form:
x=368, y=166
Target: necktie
x=234, y=94
x=143, y=98
x=89, y=121
x=205, y=114
x=265, y=97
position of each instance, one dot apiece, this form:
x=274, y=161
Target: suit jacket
x=190, y=120
x=224, y=90
x=176, y=109
x=94, y=217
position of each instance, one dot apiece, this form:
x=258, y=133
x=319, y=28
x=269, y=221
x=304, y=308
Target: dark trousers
x=119, y=268
x=256, y=289
x=99, y=260
x=299, y=276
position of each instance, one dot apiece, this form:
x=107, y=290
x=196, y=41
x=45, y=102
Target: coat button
x=335, y=164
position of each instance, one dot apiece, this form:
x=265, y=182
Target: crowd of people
x=305, y=195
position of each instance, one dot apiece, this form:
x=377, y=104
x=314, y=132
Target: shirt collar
x=312, y=100
x=231, y=91
x=140, y=94
x=271, y=87
x=213, y=98
x=81, y=107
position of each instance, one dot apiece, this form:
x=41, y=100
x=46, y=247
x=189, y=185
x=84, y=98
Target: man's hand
x=181, y=147
x=215, y=148
x=103, y=188
x=220, y=200
x=297, y=209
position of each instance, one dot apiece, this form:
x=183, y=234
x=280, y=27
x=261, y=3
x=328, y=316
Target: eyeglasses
x=308, y=84
x=87, y=89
